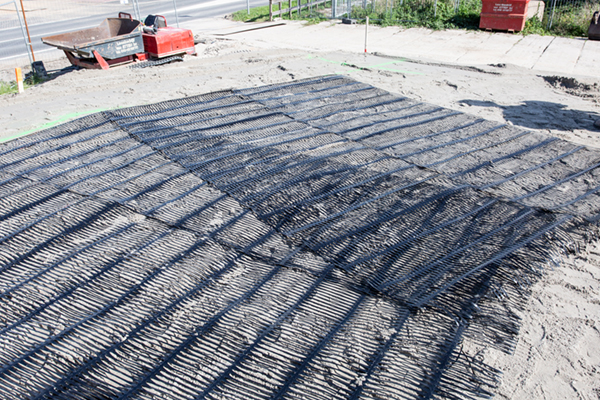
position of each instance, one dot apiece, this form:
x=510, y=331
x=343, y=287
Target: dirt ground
x=558, y=352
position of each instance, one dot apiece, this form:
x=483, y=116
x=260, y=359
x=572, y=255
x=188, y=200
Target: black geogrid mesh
x=319, y=239
x=523, y=166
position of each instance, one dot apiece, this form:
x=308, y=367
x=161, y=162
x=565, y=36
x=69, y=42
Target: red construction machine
x=122, y=40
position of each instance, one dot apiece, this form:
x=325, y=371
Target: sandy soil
x=558, y=352
x=557, y=356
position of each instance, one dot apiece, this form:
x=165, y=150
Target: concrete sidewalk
x=577, y=56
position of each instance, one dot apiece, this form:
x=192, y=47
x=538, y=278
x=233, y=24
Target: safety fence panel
x=11, y=19
x=400, y=11
x=570, y=17
x=560, y=17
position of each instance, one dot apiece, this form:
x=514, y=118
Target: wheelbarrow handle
x=163, y=18
x=156, y=21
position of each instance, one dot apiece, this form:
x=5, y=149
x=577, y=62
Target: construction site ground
x=541, y=83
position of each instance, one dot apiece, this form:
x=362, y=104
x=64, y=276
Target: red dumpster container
x=503, y=15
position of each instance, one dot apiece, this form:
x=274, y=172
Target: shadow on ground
x=542, y=115
x=55, y=73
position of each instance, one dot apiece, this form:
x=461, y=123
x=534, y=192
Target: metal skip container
x=114, y=41
x=503, y=15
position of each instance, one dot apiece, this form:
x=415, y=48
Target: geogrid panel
x=523, y=166
x=319, y=239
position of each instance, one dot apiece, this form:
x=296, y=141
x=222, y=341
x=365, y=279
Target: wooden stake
x=366, y=33
x=19, y=75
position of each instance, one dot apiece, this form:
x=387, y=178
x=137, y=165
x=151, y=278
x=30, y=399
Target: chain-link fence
x=560, y=17
x=430, y=13
x=399, y=10
x=570, y=17
x=17, y=24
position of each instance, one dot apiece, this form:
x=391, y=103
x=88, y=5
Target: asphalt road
x=12, y=44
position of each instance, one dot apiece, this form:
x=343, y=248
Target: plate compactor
x=122, y=40
x=594, y=29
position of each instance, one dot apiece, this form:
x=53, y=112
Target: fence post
x=299, y=9
x=349, y=8
x=270, y=10
x=176, y=13
x=136, y=9
x=435, y=10
x=27, y=28
x=551, y=15
x=290, y=9
x=333, y=8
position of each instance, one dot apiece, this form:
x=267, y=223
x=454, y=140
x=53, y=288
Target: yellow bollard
x=19, y=75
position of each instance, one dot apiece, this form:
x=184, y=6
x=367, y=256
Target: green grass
x=570, y=20
x=534, y=26
x=423, y=13
x=7, y=87
x=261, y=14
x=257, y=14
x=11, y=87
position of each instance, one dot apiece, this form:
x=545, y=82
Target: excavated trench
x=320, y=239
